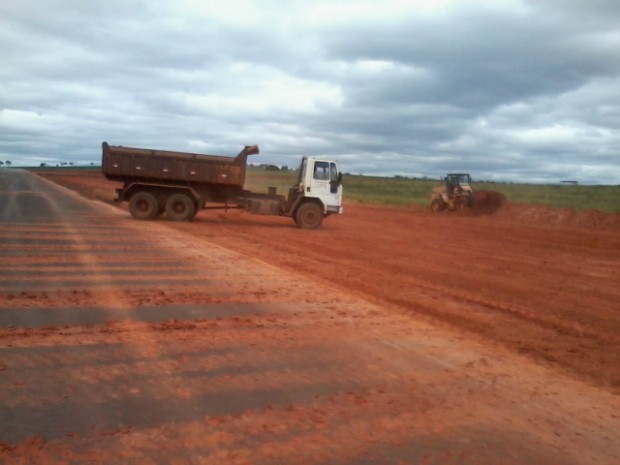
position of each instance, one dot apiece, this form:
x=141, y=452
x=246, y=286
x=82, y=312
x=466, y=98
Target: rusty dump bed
x=134, y=164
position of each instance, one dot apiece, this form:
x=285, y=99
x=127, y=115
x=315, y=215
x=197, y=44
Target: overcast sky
x=512, y=90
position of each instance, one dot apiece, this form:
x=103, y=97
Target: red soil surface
x=487, y=202
x=540, y=281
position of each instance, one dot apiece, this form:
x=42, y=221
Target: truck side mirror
x=339, y=178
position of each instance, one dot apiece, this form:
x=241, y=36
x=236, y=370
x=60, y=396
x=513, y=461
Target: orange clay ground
x=543, y=282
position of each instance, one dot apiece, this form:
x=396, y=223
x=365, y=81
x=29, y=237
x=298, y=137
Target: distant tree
x=1, y=163
x=284, y=168
x=92, y=163
x=272, y=168
x=71, y=163
x=63, y=163
x=43, y=165
x=8, y=163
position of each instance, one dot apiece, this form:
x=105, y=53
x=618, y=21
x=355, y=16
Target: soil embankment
x=487, y=201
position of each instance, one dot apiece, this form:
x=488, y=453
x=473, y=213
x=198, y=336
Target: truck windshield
x=333, y=172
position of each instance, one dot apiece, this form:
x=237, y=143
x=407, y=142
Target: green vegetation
x=400, y=191
x=396, y=191
x=258, y=179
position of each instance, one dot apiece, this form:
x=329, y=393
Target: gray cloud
x=519, y=91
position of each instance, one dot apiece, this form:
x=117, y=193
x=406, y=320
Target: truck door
x=325, y=184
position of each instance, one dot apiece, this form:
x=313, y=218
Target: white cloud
x=519, y=89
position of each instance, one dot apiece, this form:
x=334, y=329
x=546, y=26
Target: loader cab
x=456, y=194
x=457, y=183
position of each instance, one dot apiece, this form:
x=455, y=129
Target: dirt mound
x=562, y=217
x=487, y=201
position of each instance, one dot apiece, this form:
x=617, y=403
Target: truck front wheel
x=143, y=206
x=179, y=207
x=309, y=216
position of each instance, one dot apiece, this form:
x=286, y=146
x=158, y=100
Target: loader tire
x=143, y=206
x=437, y=205
x=461, y=205
x=179, y=207
x=309, y=216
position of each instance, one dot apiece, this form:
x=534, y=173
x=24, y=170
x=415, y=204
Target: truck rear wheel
x=309, y=216
x=143, y=206
x=179, y=207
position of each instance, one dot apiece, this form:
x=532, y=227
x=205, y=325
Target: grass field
x=399, y=191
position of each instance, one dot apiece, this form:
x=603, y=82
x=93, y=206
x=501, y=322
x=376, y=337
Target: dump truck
x=179, y=184
x=455, y=194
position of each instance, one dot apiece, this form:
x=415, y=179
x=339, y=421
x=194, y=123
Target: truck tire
x=309, y=216
x=179, y=207
x=143, y=206
x=438, y=205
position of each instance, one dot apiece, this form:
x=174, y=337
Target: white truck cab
x=317, y=193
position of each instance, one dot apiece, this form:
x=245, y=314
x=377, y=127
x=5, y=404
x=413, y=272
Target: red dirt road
x=388, y=336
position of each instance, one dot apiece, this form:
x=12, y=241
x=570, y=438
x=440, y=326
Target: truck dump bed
x=134, y=164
